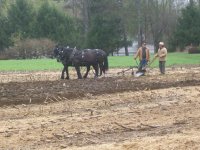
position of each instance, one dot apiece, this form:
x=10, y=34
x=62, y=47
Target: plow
x=126, y=70
x=137, y=73
x=134, y=73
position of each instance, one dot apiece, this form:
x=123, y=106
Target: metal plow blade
x=139, y=74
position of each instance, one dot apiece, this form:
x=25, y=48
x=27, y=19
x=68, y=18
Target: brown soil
x=113, y=112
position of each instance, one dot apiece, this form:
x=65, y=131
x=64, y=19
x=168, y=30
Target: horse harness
x=82, y=53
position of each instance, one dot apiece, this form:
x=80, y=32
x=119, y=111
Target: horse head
x=56, y=52
x=63, y=54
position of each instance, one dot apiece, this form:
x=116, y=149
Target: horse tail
x=105, y=64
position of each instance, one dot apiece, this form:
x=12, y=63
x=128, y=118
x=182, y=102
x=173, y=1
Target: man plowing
x=144, y=56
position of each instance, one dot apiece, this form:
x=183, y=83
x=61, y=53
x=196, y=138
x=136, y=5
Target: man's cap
x=161, y=43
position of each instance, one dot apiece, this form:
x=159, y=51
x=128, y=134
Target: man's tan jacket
x=139, y=53
x=162, y=54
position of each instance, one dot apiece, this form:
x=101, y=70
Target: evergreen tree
x=188, y=28
x=21, y=18
x=54, y=24
x=4, y=33
x=4, y=30
x=105, y=30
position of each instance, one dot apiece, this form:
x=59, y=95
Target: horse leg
x=101, y=68
x=78, y=72
x=67, y=73
x=96, y=68
x=63, y=72
x=86, y=74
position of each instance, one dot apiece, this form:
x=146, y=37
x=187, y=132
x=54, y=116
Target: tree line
x=105, y=24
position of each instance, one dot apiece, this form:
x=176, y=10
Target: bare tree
x=161, y=17
x=123, y=24
x=140, y=31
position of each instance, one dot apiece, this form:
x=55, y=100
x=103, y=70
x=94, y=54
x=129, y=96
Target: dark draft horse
x=96, y=58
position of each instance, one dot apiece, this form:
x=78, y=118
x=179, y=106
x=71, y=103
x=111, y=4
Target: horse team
x=96, y=58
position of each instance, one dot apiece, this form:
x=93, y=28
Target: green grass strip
x=114, y=62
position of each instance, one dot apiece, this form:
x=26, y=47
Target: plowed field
x=40, y=111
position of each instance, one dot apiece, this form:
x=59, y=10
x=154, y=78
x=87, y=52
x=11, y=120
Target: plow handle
x=152, y=61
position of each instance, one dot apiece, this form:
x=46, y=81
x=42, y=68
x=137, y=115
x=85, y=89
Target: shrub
x=31, y=48
x=3, y=56
x=194, y=50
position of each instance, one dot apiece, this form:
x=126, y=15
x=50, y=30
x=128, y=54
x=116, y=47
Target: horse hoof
x=67, y=78
x=62, y=78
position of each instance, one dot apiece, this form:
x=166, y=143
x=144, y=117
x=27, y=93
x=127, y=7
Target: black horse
x=87, y=57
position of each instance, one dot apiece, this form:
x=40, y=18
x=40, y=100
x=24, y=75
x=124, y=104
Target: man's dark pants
x=142, y=65
x=162, y=67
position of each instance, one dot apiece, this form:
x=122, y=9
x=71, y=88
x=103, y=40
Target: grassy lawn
x=117, y=61
x=172, y=59
x=29, y=65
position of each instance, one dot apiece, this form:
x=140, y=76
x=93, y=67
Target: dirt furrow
x=44, y=91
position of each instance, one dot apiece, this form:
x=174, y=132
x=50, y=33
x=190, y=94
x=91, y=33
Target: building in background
x=133, y=49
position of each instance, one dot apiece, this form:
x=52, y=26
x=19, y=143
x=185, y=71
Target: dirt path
x=6, y=77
